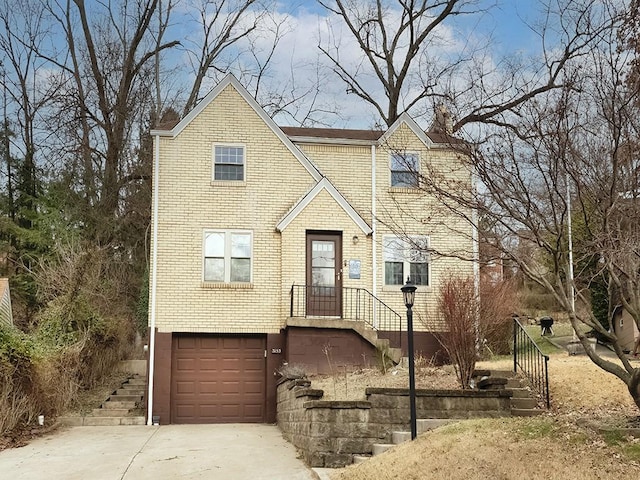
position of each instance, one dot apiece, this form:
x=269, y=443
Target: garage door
x=218, y=379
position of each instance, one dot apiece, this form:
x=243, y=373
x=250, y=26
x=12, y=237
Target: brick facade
x=278, y=175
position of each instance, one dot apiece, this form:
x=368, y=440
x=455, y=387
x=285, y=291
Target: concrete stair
x=118, y=409
x=422, y=425
x=523, y=401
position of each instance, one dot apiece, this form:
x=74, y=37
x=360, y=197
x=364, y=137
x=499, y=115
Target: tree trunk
x=634, y=386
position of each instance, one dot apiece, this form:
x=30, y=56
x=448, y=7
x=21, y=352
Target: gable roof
x=413, y=126
x=229, y=79
x=326, y=185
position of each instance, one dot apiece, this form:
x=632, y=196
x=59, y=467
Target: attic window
x=228, y=163
x=404, y=170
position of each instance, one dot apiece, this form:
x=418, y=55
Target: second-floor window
x=227, y=256
x=228, y=163
x=404, y=170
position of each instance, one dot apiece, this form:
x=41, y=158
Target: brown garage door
x=218, y=379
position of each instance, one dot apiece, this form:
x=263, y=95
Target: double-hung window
x=406, y=257
x=405, y=169
x=227, y=256
x=228, y=163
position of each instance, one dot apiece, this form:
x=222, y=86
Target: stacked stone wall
x=329, y=433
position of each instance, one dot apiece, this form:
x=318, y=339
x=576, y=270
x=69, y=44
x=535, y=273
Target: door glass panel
x=323, y=254
x=323, y=277
x=323, y=263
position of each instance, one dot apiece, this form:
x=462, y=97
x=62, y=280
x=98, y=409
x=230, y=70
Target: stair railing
x=355, y=304
x=533, y=363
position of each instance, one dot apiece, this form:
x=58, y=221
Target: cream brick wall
x=190, y=203
x=422, y=214
x=349, y=169
x=323, y=214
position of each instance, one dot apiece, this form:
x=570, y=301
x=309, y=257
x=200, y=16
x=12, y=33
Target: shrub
x=459, y=309
x=498, y=301
x=16, y=377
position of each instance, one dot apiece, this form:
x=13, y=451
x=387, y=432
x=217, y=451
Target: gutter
x=153, y=283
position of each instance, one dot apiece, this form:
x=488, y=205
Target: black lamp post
x=409, y=293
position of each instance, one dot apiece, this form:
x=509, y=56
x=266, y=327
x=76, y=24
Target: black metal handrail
x=533, y=363
x=350, y=304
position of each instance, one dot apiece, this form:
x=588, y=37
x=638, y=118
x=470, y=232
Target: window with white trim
x=227, y=256
x=405, y=168
x=406, y=257
x=228, y=163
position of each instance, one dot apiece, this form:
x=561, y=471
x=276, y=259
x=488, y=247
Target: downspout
x=476, y=255
x=374, y=262
x=154, y=274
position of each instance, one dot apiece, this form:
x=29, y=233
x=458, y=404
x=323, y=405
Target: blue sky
x=504, y=21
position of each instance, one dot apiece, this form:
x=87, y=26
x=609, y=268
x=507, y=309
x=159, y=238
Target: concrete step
x=118, y=405
x=400, y=437
x=395, y=354
x=514, y=383
x=100, y=421
x=129, y=386
x=360, y=458
x=130, y=391
x=520, y=392
x=110, y=412
x=525, y=412
x=379, y=448
x=125, y=398
x=503, y=373
x=426, y=424
x=136, y=381
x=523, y=403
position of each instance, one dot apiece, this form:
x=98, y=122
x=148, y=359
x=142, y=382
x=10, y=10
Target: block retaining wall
x=329, y=433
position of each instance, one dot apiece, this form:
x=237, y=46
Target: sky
x=503, y=24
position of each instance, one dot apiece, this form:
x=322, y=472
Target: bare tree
x=569, y=159
x=224, y=24
x=406, y=55
x=110, y=50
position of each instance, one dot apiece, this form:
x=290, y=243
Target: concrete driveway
x=234, y=452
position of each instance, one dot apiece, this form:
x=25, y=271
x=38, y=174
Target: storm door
x=324, y=274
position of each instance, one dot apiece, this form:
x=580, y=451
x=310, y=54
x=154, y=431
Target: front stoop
x=117, y=409
x=367, y=333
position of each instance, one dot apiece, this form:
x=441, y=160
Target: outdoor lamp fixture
x=409, y=294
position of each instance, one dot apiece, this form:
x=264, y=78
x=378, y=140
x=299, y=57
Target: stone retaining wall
x=329, y=433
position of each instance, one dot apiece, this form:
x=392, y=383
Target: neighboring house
x=625, y=328
x=276, y=245
x=491, y=259
x=6, y=314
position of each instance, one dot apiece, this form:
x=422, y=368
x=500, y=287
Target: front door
x=324, y=274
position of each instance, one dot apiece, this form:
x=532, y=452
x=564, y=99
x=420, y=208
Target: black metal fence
x=533, y=363
x=348, y=304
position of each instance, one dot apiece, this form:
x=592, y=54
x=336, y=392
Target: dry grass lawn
x=564, y=443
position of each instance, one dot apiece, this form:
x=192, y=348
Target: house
x=624, y=327
x=280, y=245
